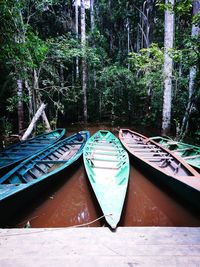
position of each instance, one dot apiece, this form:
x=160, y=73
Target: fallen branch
x=33, y=122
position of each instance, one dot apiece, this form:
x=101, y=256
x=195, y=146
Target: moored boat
x=17, y=152
x=107, y=166
x=190, y=153
x=24, y=180
x=166, y=167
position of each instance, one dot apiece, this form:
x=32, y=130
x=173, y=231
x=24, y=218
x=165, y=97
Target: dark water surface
x=70, y=201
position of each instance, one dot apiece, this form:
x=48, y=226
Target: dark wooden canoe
x=167, y=167
x=190, y=153
x=17, y=152
x=22, y=182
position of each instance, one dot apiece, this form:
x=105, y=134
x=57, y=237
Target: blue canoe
x=22, y=182
x=22, y=150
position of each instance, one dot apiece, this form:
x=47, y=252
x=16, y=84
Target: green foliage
x=196, y=19
x=6, y=126
x=116, y=85
x=13, y=101
x=147, y=66
x=148, y=59
x=163, y=6
x=39, y=37
x=37, y=48
x=64, y=48
x=182, y=7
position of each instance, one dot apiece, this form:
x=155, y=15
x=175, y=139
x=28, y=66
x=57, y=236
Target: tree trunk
x=192, y=76
x=92, y=25
x=76, y=29
x=30, y=100
x=111, y=29
x=92, y=15
x=33, y=122
x=168, y=67
x=150, y=14
x=84, y=66
x=138, y=39
x=20, y=107
x=128, y=39
x=62, y=83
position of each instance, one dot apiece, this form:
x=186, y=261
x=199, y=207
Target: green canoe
x=190, y=153
x=107, y=166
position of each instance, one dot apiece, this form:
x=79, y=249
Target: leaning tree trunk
x=20, y=108
x=192, y=76
x=168, y=66
x=84, y=66
x=33, y=122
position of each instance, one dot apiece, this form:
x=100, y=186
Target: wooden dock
x=128, y=246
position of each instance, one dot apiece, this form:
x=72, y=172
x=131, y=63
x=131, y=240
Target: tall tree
x=76, y=29
x=20, y=106
x=168, y=66
x=192, y=75
x=92, y=15
x=84, y=66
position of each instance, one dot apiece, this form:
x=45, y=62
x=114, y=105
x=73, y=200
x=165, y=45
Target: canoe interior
x=104, y=154
x=154, y=154
x=107, y=166
x=190, y=153
x=46, y=162
x=27, y=148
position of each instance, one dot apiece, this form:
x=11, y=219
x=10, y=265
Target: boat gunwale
x=176, y=157
x=188, y=147
x=46, y=175
x=22, y=158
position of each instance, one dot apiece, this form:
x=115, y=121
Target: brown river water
x=70, y=201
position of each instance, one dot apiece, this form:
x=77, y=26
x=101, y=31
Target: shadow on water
x=150, y=204
x=70, y=201
x=66, y=202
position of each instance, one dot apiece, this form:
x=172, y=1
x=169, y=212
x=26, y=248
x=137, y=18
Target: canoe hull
x=186, y=186
x=107, y=167
x=190, y=153
x=13, y=206
x=14, y=154
x=45, y=167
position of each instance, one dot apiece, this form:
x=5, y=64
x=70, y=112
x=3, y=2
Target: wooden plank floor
x=128, y=246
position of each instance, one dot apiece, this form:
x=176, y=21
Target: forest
x=122, y=62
